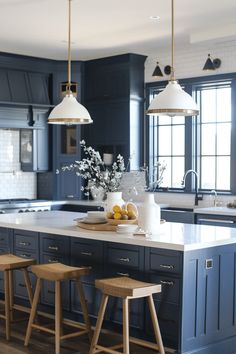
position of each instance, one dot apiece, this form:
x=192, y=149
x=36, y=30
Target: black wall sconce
x=158, y=72
x=211, y=64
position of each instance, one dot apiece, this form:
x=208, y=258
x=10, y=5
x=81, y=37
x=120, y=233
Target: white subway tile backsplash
x=13, y=182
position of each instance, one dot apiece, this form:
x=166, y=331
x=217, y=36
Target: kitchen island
x=196, y=265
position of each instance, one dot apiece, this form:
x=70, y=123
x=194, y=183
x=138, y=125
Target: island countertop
x=173, y=236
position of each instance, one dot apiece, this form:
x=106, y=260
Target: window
x=204, y=143
x=214, y=131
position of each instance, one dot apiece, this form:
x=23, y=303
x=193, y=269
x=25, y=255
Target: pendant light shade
x=69, y=111
x=173, y=100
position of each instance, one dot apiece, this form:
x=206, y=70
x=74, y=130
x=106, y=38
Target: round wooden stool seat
x=126, y=287
x=11, y=262
x=59, y=271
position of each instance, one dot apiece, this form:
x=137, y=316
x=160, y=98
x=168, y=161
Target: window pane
x=223, y=138
x=208, y=105
x=223, y=173
x=208, y=139
x=208, y=173
x=164, y=120
x=167, y=174
x=178, y=171
x=224, y=104
x=178, y=140
x=164, y=140
x=178, y=120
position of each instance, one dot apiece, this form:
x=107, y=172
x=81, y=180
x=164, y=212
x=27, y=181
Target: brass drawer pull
x=24, y=243
x=127, y=260
x=217, y=221
x=86, y=254
x=167, y=266
x=166, y=282
x=54, y=248
x=123, y=274
x=52, y=261
x=25, y=255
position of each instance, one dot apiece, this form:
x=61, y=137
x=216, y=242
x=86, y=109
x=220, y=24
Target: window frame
x=190, y=86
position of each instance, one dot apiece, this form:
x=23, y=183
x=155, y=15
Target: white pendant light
x=69, y=111
x=173, y=100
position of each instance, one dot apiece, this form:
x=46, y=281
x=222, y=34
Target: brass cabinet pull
x=166, y=282
x=52, y=261
x=71, y=196
x=127, y=260
x=123, y=274
x=22, y=285
x=54, y=248
x=51, y=292
x=86, y=254
x=24, y=243
x=25, y=255
x=167, y=266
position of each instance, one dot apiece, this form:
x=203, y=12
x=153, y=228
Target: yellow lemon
x=116, y=209
x=117, y=216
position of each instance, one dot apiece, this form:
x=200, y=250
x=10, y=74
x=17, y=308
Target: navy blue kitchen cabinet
x=114, y=95
x=25, y=245
x=216, y=220
x=54, y=249
x=4, y=248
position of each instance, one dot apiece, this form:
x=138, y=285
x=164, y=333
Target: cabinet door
x=216, y=220
x=68, y=184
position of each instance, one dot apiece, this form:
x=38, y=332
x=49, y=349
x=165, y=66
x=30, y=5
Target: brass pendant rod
x=69, y=47
x=172, y=76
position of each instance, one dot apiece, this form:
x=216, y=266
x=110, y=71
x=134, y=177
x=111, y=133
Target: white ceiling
x=108, y=27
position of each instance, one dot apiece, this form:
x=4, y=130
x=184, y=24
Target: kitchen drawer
x=26, y=242
x=4, y=236
x=125, y=255
x=26, y=254
x=163, y=261
x=20, y=289
x=56, y=245
x=45, y=258
x=48, y=294
x=1, y=282
x=92, y=295
x=4, y=250
x=170, y=288
x=87, y=252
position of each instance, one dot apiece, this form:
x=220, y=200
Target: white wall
x=13, y=182
x=189, y=60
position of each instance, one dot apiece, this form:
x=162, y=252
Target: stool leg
x=155, y=325
x=84, y=308
x=28, y=285
x=11, y=293
x=33, y=311
x=7, y=303
x=98, y=324
x=125, y=326
x=58, y=316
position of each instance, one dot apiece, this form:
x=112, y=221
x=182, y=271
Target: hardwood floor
x=42, y=343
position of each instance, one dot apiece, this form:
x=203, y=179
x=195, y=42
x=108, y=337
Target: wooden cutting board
x=96, y=227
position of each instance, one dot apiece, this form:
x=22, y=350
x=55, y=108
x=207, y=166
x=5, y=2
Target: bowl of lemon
x=126, y=214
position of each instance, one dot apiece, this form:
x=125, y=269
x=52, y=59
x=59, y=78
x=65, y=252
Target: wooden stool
x=127, y=289
x=8, y=263
x=58, y=272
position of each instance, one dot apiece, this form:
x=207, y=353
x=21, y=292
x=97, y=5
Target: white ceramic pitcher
x=149, y=215
x=113, y=198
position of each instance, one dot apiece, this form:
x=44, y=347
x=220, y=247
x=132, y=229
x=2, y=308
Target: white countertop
x=216, y=211
x=175, y=236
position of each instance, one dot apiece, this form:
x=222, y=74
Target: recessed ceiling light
x=154, y=17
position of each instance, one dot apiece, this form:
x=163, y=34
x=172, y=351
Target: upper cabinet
x=114, y=97
x=17, y=86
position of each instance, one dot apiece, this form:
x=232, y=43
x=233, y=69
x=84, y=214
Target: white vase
x=113, y=198
x=149, y=215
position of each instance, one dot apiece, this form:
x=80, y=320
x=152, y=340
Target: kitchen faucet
x=197, y=197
